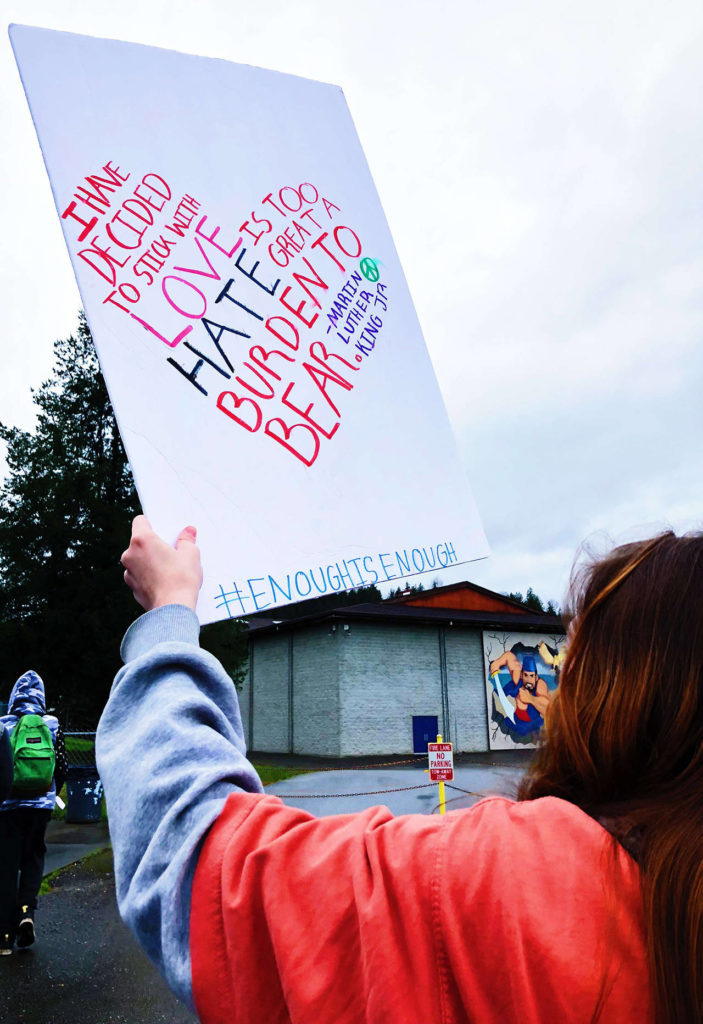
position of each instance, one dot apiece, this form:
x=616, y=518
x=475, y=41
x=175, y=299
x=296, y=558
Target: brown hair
x=624, y=741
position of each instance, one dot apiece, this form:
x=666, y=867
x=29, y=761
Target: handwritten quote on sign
x=260, y=324
x=267, y=369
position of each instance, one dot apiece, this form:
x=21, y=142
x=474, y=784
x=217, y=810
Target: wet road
x=85, y=967
x=403, y=790
x=67, y=843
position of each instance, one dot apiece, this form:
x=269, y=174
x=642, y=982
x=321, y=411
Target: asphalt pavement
x=68, y=843
x=86, y=968
x=403, y=790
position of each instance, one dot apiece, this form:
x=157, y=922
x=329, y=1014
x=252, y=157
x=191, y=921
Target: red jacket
x=525, y=912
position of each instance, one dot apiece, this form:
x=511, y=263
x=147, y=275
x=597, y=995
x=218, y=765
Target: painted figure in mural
x=527, y=689
x=555, y=659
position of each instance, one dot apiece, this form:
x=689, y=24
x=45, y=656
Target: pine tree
x=65, y=511
x=533, y=601
x=66, y=508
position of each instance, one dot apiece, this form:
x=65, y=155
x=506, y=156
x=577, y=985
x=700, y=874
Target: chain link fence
x=80, y=749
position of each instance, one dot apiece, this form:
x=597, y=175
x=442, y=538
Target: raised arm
x=170, y=750
x=511, y=662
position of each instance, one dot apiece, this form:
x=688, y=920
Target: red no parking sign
x=441, y=762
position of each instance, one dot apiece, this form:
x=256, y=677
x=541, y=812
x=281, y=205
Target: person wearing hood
x=5, y=764
x=25, y=814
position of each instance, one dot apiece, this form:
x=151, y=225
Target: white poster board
x=261, y=350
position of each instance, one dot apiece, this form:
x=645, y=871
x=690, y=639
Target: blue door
x=424, y=731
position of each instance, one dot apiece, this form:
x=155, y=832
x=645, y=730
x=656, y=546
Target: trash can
x=84, y=794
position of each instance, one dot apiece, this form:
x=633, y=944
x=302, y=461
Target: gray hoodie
x=28, y=698
x=170, y=750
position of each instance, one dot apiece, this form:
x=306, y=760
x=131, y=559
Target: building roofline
x=417, y=615
x=419, y=594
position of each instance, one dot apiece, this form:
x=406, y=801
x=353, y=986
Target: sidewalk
x=67, y=843
x=85, y=967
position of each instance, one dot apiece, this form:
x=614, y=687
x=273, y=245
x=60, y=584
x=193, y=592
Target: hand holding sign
x=158, y=574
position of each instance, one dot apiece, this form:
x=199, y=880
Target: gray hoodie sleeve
x=170, y=750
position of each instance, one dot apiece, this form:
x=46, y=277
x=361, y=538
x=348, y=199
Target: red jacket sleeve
x=315, y=920
x=504, y=912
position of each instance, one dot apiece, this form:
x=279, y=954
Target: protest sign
x=264, y=360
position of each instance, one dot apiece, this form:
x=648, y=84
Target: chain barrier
x=378, y=792
x=368, y=767
x=460, y=789
x=451, y=785
x=368, y=792
x=418, y=759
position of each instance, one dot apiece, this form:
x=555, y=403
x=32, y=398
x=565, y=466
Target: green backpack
x=33, y=757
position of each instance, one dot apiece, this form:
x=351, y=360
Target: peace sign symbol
x=369, y=269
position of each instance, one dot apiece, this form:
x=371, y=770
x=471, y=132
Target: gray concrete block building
x=372, y=679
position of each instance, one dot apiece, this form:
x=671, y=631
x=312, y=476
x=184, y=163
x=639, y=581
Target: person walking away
x=5, y=764
x=39, y=769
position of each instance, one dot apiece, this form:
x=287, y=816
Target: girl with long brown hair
x=624, y=742
x=582, y=901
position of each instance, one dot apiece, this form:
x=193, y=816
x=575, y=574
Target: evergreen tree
x=66, y=508
x=315, y=605
x=405, y=591
x=65, y=511
x=532, y=601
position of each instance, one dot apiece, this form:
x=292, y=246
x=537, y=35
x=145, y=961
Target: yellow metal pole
x=441, y=784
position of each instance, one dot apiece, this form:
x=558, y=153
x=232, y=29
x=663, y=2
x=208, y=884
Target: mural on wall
x=522, y=676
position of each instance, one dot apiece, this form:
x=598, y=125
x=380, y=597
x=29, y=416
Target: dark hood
x=28, y=697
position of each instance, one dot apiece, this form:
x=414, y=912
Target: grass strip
x=102, y=865
x=269, y=773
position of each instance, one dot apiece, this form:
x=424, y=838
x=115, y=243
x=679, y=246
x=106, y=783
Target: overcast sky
x=540, y=167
